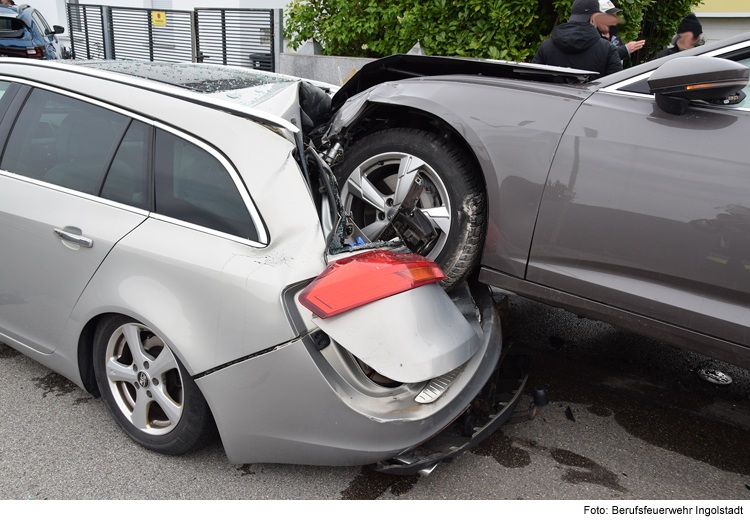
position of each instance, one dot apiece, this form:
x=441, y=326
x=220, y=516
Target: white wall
x=55, y=12
x=718, y=28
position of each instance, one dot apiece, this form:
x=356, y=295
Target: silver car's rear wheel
x=146, y=388
x=376, y=173
x=144, y=379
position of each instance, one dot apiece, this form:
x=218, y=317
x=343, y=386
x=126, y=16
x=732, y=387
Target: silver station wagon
x=170, y=245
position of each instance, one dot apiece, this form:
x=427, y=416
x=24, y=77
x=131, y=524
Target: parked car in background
x=25, y=33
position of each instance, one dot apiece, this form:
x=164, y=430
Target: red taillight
x=364, y=278
x=35, y=52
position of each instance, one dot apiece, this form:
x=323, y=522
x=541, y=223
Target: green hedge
x=497, y=29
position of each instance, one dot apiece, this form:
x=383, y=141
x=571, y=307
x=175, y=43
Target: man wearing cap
x=689, y=35
x=578, y=43
x=607, y=26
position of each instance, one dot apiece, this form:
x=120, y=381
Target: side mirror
x=685, y=79
x=56, y=30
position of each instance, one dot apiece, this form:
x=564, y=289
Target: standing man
x=578, y=43
x=689, y=35
x=609, y=30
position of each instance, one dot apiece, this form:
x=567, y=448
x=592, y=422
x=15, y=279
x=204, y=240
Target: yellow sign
x=158, y=18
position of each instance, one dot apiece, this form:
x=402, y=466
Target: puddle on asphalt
x=54, y=383
x=590, y=472
x=648, y=386
x=500, y=446
x=369, y=485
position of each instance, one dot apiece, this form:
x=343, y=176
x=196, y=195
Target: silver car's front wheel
x=146, y=388
x=376, y=174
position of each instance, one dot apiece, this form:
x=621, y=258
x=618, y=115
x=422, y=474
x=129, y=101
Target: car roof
x=199, y=78
x=17, y=11
x=46, y=71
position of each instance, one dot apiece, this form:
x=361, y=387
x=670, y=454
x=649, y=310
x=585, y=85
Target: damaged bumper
x=492, y=407
x=365, y=423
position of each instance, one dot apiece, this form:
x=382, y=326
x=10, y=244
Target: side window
x=127, y=179
x=3, y=88
x=193, y=186
x=39, y=19
x=61, y=140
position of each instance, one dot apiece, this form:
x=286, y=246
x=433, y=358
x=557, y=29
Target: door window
x=127, y=179
x=193, y=186
x=64, y=141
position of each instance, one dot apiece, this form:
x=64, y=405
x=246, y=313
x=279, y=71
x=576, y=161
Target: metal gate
x=154, y=35
x=86, y=30
x=237, y=37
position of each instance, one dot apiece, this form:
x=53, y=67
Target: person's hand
x=635, y=45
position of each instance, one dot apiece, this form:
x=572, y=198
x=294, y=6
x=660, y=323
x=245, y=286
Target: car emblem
x=143, y=379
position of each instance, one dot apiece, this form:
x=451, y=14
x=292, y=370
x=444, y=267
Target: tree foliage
x=497, y=29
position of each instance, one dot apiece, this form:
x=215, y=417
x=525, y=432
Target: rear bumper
x=296, y=405
x=492, y=407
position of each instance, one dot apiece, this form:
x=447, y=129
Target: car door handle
x=75, y=239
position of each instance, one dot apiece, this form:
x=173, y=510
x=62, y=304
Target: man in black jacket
x=578, y=44
x=689, y=35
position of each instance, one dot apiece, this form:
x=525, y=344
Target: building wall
x=723, y=18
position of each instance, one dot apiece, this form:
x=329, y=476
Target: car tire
x=453, y=197
x=148, y=391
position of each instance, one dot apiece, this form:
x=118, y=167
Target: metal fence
x=86, y=30
x=237, y=37
x=152, y=35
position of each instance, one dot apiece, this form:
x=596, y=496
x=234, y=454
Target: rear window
x=193, y=186
x=11, y=28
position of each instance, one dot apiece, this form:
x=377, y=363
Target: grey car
x=167, y=246
x=625, y=200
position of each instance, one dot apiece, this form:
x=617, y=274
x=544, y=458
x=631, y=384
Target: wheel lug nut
x=145, y=364
x=135, y=368
x=155, y=381
x=148, y=393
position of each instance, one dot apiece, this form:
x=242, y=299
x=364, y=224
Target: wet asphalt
x=629, y=418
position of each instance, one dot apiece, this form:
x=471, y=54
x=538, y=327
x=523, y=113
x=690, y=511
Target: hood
x=575, y=37
x=400, y=67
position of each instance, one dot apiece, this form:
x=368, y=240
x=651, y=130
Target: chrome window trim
x=615, y=89
x=207, y=230
x=728, y=49
x=73, y=192
x=130, y=208
x=239, y=184
x=160, y=88
x=74, y=95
